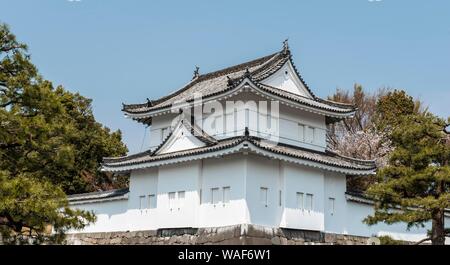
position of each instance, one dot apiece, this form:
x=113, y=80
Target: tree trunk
x=437, y=228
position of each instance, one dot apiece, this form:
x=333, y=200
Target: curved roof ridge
x=335, y=103
x=117, y=158
x=353, y=159
x=239, y=67
x=305, y=100
x=204, y=77
x=326, y=158
x=98, y=194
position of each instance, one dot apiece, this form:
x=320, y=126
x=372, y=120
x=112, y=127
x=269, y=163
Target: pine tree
x=414, y=187
x=50, y=146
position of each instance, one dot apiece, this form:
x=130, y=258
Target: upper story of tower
x=266, y=96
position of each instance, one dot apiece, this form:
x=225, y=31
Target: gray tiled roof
x=206, y=84
x=321, y=104
x=220, y=81
x=148, y=156
x=97, y=195
x=327, y=158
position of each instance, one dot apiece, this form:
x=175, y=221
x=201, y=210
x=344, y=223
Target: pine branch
x=4, y=105
x=445, y=128
x=423, y=240
x=9, y=48
x=7, y=146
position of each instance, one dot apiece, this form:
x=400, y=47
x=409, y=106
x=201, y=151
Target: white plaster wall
x=142, y=183
x=356, y=212
x=175, y=178
x=286, y=126
x=289, y=128
x=348, y=215
x=181, y=139
x=111, y=216
x=218, y=173
x=335, y=187
x=263, y=173
x=308, y=181
x=229, y=121
x=245, y=175
x=286, y=79
x=159, y=123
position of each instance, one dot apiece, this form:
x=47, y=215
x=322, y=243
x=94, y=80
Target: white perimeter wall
x=111, y=216
x=299, y=179
x=244, y=175
x=219, y=173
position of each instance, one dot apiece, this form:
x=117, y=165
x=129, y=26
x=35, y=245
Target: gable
x=286, y=79
x=181, y=139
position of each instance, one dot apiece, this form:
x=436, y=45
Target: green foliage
x=390, y=108
x=50, y=144
x=387, y=240
x=92, y=142
x=414, y=187
x=49, y=133
x=30, y=208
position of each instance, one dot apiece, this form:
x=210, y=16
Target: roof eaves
x=232, y=69
x=97, y=195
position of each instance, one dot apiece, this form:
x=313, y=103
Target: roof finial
x=196, y=72
x=149, y=102
x=285, y=46
x=247, y=72
x=229, y=80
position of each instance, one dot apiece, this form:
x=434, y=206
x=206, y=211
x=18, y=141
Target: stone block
x=255, y=231
x=232, y=241
x=330, y=238
x=257, y=241
x=290, y=242
x=276, y=240
x=227, y=232
x=229, y=235
x=115, y=241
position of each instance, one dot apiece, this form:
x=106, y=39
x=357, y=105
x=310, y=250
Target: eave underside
x=244, y=144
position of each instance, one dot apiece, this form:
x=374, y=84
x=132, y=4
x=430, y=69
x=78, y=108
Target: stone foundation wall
x=229, y=235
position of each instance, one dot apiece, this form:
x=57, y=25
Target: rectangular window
x=263, y=196
x=200, y=196
x=142, y=202
x=152, y=201
x=301, y=132
x=215, y=195
x=181, y=195
x=309, y=134
x=235, y=122
x=317, y=135
x=229, y=124
x=172, y=197
x=269, y=123
x=217, y=125
x=247, y=117
x=309, y=202
x=280, y=197
x=332, y=202
x=226, y=194
x=300, y=200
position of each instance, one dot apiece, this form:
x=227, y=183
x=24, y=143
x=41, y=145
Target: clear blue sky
x=125, y=51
